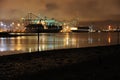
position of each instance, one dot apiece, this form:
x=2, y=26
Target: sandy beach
x=92, y=63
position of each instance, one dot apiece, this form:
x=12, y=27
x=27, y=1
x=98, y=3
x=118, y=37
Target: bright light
x=1, y=24
x=43, y=22
x=109, y=39
x=109, y=27
x=13, y=23
x=73, y=28
x=18, y=25
x=67, y=27
x=38, y=22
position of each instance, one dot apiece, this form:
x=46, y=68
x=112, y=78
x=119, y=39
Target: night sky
x=67, y=9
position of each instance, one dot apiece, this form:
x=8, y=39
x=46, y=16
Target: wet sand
x=94, y=63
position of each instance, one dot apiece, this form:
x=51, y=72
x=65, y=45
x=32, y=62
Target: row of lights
x=11, y=27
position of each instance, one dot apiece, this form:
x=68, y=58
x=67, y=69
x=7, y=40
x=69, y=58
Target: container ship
x=35, y=24
x=40, y=28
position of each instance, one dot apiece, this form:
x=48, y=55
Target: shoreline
x=54, y=63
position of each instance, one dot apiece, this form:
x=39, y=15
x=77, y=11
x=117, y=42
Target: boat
x=40, y=28
x=43, y=26
x=82, y=29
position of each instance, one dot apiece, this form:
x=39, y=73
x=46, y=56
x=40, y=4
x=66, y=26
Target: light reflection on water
x=49, y=41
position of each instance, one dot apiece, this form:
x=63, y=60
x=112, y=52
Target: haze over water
x=51, y=41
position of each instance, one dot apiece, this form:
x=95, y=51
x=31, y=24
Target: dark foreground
x=96, y=63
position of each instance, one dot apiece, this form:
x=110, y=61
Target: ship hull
x=79, y=30
x=44, y=31
x=38, y=28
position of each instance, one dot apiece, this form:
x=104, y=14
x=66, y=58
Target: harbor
x=40, y=33
x=59, y=40
x=32, y=23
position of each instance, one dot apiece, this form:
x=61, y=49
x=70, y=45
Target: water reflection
x=2, y=45
x=90, y=39
x=109, y=39
x=50, y=41
x=66, y=39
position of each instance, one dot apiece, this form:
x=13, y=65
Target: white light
x=1, y=24
x=13, y=23
x=1, y=50
x=73, y=28
x=18, y=25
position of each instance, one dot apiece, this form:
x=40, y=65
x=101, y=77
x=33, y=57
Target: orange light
x=109, y=27
x=109, y=39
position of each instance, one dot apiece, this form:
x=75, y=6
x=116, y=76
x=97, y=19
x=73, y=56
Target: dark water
x=48, y=41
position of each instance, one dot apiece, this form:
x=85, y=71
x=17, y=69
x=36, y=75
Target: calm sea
x=51, y=41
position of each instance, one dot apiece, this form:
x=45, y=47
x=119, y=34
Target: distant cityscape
x=67, y=25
